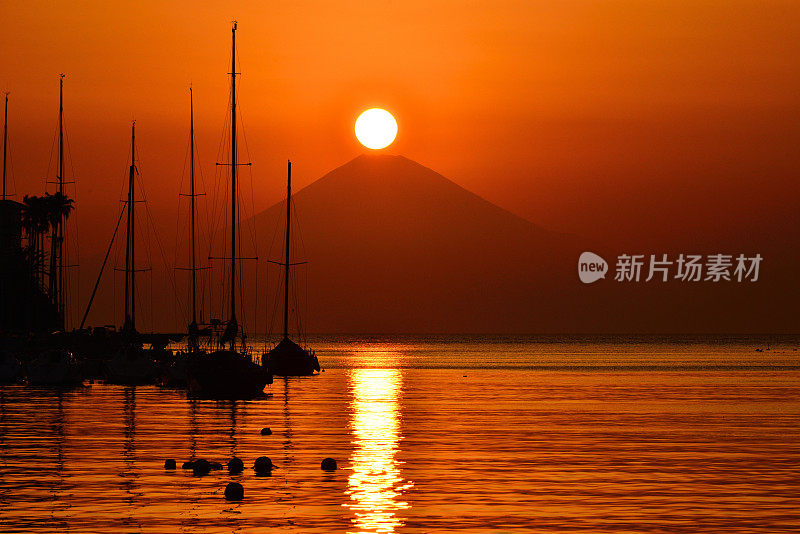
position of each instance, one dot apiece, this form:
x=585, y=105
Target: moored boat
x=54, y=368
x=174, y=367
x=132, y=365
x=11, y=371
x=288, y=358
x=229, y=372
x=226, y=374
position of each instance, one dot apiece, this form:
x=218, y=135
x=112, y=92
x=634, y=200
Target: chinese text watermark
x=662, y=268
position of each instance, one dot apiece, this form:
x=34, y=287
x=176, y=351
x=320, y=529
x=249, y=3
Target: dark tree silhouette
x=57, y=208
x=36, y=223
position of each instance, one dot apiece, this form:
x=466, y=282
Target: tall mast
x=191, y=202
x=5, y=143
x=61, y=134
x=56, y=277
x=233, y=181
x=130, y=273
x=286, y=262
x=60, y=293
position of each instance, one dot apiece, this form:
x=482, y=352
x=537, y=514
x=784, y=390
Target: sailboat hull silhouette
x=225, y=374
x=290, y=359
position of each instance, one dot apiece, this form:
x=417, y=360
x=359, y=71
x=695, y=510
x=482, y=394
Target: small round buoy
x=266, y=431
x=328, y=464
x=263, y=465
x=235, y=465
x=188, y=465
x=234, y=491
x=170, y=464
x=201, y=467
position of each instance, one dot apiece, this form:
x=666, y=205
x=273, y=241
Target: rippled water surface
x=431, y=435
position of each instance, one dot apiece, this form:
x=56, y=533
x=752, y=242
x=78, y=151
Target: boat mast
x=61, y=134
x=191, y=203
x=56, y=282
x=286, y=262
x=233, y=183
x=5, y=143
x=130, y=273
x=60, y=294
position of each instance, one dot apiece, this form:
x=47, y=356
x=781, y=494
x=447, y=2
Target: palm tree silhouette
x=36, y=224
x=41, y=215
x=57, y=208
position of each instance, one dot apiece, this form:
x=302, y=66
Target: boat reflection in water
x=376, y=486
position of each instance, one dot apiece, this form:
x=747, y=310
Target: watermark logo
x=662, y=268
x=591, y=267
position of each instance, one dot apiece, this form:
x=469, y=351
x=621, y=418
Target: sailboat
x=57, y=277
x=288, y=358
x=55, y=367
x=173, y=373
x=230, y=372
x=193, y=329
x=132, y=364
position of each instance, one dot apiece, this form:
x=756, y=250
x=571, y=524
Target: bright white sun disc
x=376, y=128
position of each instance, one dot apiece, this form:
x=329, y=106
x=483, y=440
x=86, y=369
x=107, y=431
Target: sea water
x=431, y=434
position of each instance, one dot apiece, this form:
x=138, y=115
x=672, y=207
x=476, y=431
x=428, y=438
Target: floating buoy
x=170, y=464
x=235, y=465
x=201, y=467
x=328, y=464
x=234, y=491
x=263, y=465
x=266, y=431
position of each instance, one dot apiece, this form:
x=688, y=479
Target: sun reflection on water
x=376, y=486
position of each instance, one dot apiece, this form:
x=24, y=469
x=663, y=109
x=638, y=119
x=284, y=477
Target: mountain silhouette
x=396, y=247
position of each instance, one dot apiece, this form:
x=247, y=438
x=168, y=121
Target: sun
x=376, y=128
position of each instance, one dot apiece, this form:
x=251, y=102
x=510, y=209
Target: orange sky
x=644, y=122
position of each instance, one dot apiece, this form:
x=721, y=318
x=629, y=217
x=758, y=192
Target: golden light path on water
x=376, y=486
